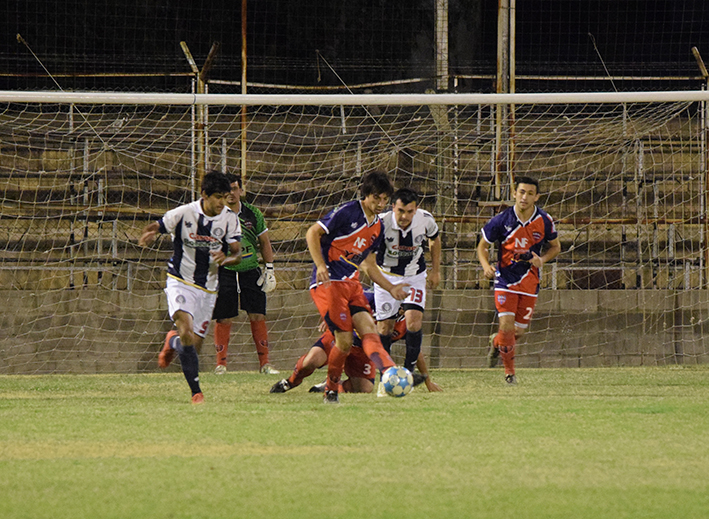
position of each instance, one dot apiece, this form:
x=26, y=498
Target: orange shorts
x=338, y=302
x=519, y=305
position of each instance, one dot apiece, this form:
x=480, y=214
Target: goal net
x=623, y=175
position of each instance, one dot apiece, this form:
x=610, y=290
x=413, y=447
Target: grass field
x=566, y=443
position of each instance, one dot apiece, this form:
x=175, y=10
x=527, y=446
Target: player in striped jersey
x=201, y=232
x=340, y=243
x=527, y=239
x=400, y=256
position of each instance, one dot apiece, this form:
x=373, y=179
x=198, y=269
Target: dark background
x=362, y=41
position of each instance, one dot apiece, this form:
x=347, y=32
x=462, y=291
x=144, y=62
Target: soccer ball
x=397, y=381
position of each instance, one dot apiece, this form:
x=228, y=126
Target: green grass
x=598, y=443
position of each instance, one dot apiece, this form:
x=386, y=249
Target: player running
x=201, y=233
x=401, y=258
x=527, y=240
x=339, y=244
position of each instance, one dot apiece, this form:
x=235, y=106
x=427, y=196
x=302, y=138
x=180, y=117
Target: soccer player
x=339, y=244
x=245, y=283
x=358, y=367
x=201, y=232
x=527, y=239
x=401, y=258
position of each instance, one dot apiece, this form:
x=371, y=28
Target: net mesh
x=626, y=184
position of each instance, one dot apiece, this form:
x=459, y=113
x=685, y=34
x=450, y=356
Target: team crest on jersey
x=180, y=299
x=537, y=236
x=418, y=239
x=218, y=232
x=343, y=316
x=248, y=225
x=386, y=307
x=501, y=299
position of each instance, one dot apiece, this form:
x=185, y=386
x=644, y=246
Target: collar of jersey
x=536, y=210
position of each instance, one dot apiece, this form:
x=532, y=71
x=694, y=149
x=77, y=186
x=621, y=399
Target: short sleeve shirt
x=401, y=251
x=517, y=240
x=348, y=239
x=194, y=236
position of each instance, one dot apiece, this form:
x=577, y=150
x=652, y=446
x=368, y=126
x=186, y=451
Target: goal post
x=624, y=175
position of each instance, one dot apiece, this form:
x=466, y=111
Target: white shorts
x=195, y=301
x=387, y=307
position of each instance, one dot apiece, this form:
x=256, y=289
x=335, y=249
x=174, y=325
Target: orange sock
x=222, y=331
x=372, y=346
x=299, y=373
x=335, y=366
x=259, y=332
x=506, y=341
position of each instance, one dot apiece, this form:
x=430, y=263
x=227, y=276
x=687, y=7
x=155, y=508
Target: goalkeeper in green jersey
x=245, y=286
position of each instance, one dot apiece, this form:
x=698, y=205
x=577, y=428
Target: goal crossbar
x=7, y=96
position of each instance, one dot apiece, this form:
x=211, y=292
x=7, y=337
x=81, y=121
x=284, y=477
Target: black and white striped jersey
x=401, y=251
x=194, y=236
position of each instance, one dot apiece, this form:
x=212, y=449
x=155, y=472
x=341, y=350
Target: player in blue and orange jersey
x=340, y=243
x=527, y=239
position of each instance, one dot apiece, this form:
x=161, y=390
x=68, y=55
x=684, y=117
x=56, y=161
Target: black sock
x=190, y=367
x=386, y=342
x=413, y=348
x=176, y=344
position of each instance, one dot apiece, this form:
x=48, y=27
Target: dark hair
x=234, y=178
x=406, y=195
x=215, y=182
x=375, y=183
x=527, y=180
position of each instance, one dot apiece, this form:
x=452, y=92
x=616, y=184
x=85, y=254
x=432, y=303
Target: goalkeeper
x=245, y=285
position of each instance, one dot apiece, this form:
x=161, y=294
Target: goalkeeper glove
x=267, y=281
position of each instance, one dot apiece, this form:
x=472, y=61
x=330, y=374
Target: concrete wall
x=102, y=331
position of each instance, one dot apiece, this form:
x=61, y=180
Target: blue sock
x=190, y=367
x=176, y=344
x=413, y=348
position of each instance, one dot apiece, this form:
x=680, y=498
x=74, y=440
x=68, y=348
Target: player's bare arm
x=484, y=258
x=434, y=275
x=149, y=234
x=423, y=369
x=551, y=253
x=398, y=292
x=313, y=237
x=264, y=242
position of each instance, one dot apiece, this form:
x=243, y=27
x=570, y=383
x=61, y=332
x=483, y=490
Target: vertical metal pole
x=704, y=198
x=243, y=91
x=193, y=148
x=502, y=86
x=224, y=155
x=512, y=86
x=441, y=45
x=207, y=151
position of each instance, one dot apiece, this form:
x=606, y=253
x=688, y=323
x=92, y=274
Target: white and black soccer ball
x=397, y=381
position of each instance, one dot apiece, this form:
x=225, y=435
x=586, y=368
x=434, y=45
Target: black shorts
x=239, y=290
